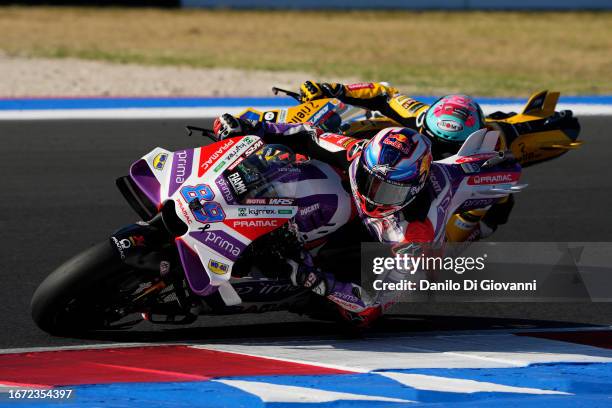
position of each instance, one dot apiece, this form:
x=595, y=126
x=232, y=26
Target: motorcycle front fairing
x=475, y=177
x=329, y=114
x=227, y=194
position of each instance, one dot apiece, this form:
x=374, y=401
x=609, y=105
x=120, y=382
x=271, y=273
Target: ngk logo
x=493, y=178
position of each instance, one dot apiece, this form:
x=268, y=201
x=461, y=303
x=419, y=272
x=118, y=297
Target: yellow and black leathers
x=369, y=95
x=536, y=134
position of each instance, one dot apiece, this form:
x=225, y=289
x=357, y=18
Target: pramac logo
x=493, y=178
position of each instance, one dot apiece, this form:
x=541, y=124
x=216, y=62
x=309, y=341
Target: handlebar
x=292, y=94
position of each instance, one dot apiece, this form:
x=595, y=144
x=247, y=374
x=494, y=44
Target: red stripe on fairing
x=594, y=338
x=141, y=364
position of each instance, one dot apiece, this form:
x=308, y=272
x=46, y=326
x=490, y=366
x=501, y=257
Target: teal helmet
x=452, y=119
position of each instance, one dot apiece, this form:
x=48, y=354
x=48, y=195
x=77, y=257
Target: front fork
x=148, y=247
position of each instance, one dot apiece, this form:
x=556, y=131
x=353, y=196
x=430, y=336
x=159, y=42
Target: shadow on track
x=395, y=325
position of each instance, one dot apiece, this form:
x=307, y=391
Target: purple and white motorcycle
x=220, y=223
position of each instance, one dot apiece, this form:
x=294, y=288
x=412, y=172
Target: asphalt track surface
x=59, y=197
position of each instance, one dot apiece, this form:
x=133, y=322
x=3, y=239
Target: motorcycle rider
x=392, y=192
x=447, y=122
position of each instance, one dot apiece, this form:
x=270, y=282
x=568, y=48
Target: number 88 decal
x=209, y=211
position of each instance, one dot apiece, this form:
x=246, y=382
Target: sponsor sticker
x=225, y=190
x=316, y=118
x=449, y=125
x=253, y=148
x=119, y=247
x=270, y=201
x=255, y=223
x=307, y=210
x=218, y=267
x=209, y=155
x=237, y=183
x=354, y=150
x=493, y=178
x=305, y=111
x=265, y=212
x=270, y=116
x=181, y=169
x=223, y=243
x=360, y=85
x=399, y=141
x=219, y=166
x=159, y=161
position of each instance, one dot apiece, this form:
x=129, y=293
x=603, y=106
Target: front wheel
x=85, y=293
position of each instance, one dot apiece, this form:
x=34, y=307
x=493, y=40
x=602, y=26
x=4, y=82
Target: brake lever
x=207, y=133
x=292, y=94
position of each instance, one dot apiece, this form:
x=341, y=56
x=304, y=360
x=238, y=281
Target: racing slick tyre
x=77, y=296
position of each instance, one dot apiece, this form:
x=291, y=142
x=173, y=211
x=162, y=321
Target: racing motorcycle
x=219, y=222
x=538, y=133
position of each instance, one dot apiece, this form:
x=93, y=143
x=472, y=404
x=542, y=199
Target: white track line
x=458, y=385
x=190, y=113
x=440, y=334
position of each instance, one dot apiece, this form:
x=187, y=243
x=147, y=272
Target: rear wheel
x=88, y=292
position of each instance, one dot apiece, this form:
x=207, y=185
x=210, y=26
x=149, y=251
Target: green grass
x=430, y=52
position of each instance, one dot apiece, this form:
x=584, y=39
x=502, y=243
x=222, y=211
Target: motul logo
x=493, y=178
x=256, y=223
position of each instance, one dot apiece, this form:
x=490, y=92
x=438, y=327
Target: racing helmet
x=451, y=119
x=391, y=170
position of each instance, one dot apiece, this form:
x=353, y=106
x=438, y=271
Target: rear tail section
x=539, y=133
x=541, y=104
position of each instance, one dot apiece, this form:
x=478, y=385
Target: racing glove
x=227, y=125
x=310, y=90
x=306, y=275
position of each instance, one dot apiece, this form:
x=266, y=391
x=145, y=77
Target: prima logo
x=225, y=190
x=181, y=167
x=224, y=246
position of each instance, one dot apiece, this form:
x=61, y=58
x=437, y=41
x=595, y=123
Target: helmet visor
x=379, y=191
